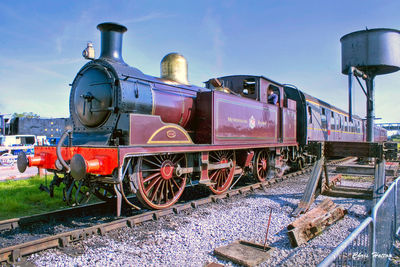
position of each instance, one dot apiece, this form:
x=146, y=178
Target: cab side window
x=249, y=88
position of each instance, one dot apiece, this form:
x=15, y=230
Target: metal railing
x=371, y=243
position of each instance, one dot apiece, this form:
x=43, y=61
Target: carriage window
x=333, y=121
x=340, y=122
x=345, y=124
x=309, y=114
x=25, y=140
x=323, y=119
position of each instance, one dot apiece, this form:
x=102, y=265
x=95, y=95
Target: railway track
x=14, y=253
x=84, y=210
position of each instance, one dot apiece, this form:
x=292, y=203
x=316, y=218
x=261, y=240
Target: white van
x=18, y=140
x=13, y=144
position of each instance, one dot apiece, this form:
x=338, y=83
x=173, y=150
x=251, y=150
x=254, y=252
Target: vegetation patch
x=20, y=198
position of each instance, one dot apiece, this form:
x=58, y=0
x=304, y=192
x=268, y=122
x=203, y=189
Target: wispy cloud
x=72, y=29
x=217, y=36
x=40, y=67
x=148, y=17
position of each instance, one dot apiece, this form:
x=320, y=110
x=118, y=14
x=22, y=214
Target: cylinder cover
x=374, y=51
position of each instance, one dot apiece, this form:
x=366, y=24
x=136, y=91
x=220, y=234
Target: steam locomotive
x=135, y=134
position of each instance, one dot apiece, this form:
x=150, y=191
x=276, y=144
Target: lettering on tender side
x=230, y=119
x=251, y=122
x=262, y=123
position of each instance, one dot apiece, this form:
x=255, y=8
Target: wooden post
x=41, y=172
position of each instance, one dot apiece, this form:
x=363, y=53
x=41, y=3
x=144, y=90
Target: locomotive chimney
x=111, y=41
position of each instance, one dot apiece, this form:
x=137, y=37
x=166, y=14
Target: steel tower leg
x=370, y=108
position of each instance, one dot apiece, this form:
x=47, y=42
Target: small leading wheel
x=158, y=185
x=261, y=166
x=76, y=193
x=222, y=178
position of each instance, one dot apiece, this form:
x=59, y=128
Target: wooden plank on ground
x=244, y=253
x=314, y=222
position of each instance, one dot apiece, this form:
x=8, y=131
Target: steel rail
x=84, y=210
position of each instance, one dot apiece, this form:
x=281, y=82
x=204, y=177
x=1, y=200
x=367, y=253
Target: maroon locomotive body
x=135, y=134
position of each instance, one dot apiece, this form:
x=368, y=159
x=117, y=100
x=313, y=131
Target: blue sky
x=294, y=42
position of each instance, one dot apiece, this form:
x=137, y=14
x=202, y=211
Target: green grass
x=23, y=198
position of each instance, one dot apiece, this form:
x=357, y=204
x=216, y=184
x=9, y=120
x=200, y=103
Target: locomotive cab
x=274, y=125
x=253, y=87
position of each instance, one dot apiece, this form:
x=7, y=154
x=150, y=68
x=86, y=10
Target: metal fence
x=371, y=243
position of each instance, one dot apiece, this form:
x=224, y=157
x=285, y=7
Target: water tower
x=366, y=54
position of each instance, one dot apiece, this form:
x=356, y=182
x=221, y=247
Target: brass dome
x=174, y=67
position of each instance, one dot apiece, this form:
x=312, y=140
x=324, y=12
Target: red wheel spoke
x=155, y=191
x=151, y=170
x=162, y=193
x=216, y=180
x=146, y=191
x=166, y=191
x=216, y=159
x=262, y=166
x=219, y=179
x=177, y=161
x=151, y=177
x=212, y=176
x=151, y=162
x=159, y=187
x=171, y=187
x=222, y=178
x=159, y=159
x=217, y=175
x=177, y=186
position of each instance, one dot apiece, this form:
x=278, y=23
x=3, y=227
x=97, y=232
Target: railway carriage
x=320, y=121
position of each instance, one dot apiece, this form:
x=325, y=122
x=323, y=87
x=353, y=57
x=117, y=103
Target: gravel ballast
x=189, y=238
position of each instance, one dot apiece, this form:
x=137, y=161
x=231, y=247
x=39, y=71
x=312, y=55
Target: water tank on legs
x=374, y=51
